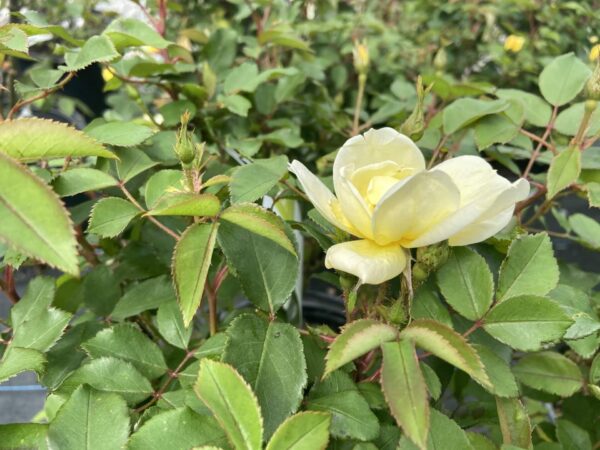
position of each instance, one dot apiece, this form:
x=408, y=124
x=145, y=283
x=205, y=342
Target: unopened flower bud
x=592, y=88
x=361, y=57
x=184, y=146
x=414, y=125
x=440, y=59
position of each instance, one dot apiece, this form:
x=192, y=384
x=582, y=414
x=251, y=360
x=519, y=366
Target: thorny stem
x=8, y=285
x=40, y=96
x=132, y=199
x=536, y=152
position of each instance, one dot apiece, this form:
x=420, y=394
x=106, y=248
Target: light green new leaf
x=527, y=322
x=586, y=228
x=111, y=215
x=564, y=170
x=356, y=339
x=191, y=261
x=111, y=375
x=171, y=327
x=502, y=379
x=563, y=79
x=81, y=179
x=352, y=417
x=34, y=221
x=514, y=422
x=232, y=403
x=41, y=330
x=537, y=111
x=252, y=181
x=38, y=297
x=121, y=134
x=177, y=429
x=303, y=431
x=270, y=357
x=405, y=391
x=466, y=282
x=186, y=204
x=16, y=360
x=447, y=344
x=529, y=268
x=127, y=342
x=96, y=49
x=90, y=420
x=572, y=437
x=259, y=249
x=549, y=372
x=465, y=111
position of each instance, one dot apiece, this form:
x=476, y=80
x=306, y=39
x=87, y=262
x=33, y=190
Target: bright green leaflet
x=252, y=181
x=111, y=215
x=81, y=179
x=564, y=170
x=305, y=430
x=96, y=49
x=16, y=360
x=563, y=79
x=121, y=134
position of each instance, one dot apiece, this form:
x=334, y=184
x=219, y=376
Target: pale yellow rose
x=387, y=199
x=594, y=52
x=514, y=43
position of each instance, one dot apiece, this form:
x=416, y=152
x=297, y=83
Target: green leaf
x=448, y=345
x=305, y=430
x=90, y=420
x=569, y=120
x=571, y=436
x=242, y=78
x=466, y=282
x=502, y=379
x=121, y=134
x=428, y=305
x=405, y=391
x=148, y=294
x=191, y=261
x=356, y=339
x=96, y=49
x=186, y=204
x=16, y=360
x=127, y=342
x=444, y=434
x=564, y=170
x=134, y=33
x=41, y=331
x=549, y=372
x=252, y=181
x=269, y=355
x=529, y=268
x=593, y=194
x=177, y=429
x=586, y=228
x=284, y=37
x=81, y=179
x=537, y=111
x=33, y=138
x=351, y=416
x=111, y=215
x=38, y=297
x=23, y=435
x=514, y=422
x=465, y=111
x=237, y=104
x=13, y=42
x=563, y=79
x=261, y=253
x=432, y=381
x=171, y=327
x=101, y=290
x=34, y=221
x=161, y=183
x=132, y=162
x=527, y=322
x=495, y=129
x=232, y=403
x=111, y=375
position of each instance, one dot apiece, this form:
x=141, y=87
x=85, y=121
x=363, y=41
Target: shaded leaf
x=549, y=372
x=110, y=216
x=171, y=327
x=514, y=422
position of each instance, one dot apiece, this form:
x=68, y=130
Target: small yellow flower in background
x=594, y=52
x=361, y=57
x=107, y=75
x=593, y=39
x=514, y=43
x=388, y=200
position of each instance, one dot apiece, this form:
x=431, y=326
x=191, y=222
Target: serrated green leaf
x=148, y=294
x=262, y=255
x=514, y=422
x=549, y=372
x=356, y=339
x=38, y=297
x=132, y=162
x=444, y=434
x=537, y=111
x=41, y=330
x=305, y=430
x=351, y=416
x=120, y=134
x=171, y=327
x=563, y=79
x=428, y=305
x=405, y=391
x=564, y=170
x=23, y=435
x=177, y=429
x=186, y=204
x=571, y=436
x=162, y=183
x=13, y=42
x=495, y=129
x=448, y=345
x=96, y=49
x=269, y=355
x=529, y=268
x=593, y=194
x=232, y=403
x=252, y=181
x=34, y=221
x=569, y=120
x=237, y=104
x=432, y=381
x=129, y=32
x=466, y=282
x=111, y=375
x=127, y=342
x=527, y=322
x=465, y=111
x=191, y=261
x=16, y=360
x=90, y=420
x=586, y=228
x=111, y=215
x=101, y=290
x=502, y=379
x=81, y=179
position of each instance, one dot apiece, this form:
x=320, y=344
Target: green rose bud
x=184, y=146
